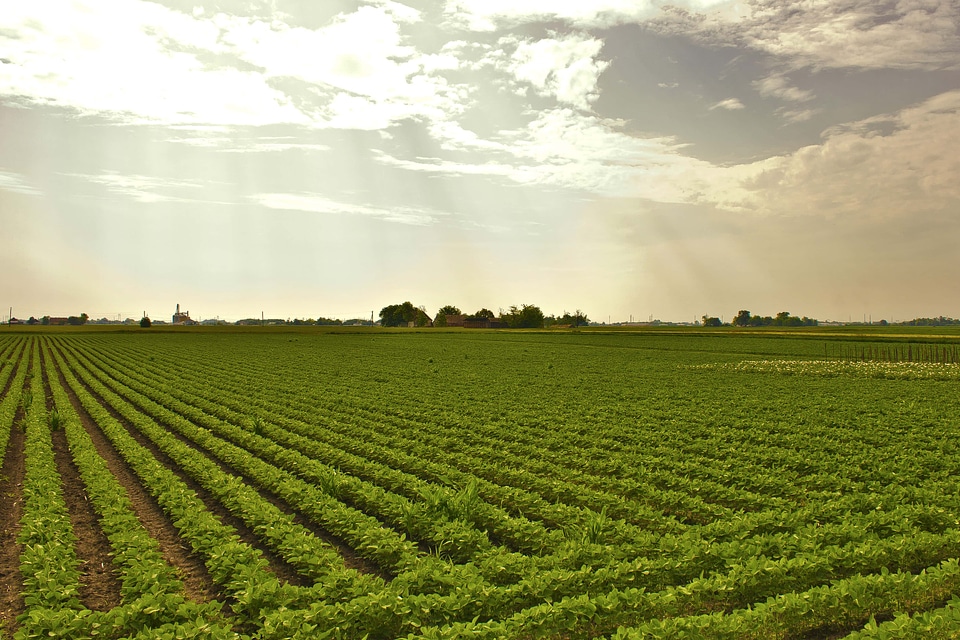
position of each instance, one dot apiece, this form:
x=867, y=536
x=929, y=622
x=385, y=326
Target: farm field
x=221, y=483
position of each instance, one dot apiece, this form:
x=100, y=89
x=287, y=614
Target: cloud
x=730, y=104
x=826, y=34
x=140, y=62
x=892, y=165
x=110, y=57
x=15, y=183
x=358, y=71
x=777, y=86
x=313, y=203
x=565, y=68
x=564, y=148
x=489, y=15
x=885, y=166
x=865, y=34
x=797, y=115
x=145, y=189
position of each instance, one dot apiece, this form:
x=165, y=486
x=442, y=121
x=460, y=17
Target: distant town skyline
x=645, y=159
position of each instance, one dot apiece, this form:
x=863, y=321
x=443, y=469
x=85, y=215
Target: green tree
x=528, y=316
x=145, y=322
x=577, y=319
x=401, y=315
x=710, y=321
x=441, y=318
x=398, y=315
x=483, y=313
x=742, y=319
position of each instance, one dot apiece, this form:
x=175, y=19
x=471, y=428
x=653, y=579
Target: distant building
x=483, y=323
x=455, y=320
x=182, y=318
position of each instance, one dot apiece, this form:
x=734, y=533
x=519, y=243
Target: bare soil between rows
x=350, y=558
x=11, y=509
x=198, y=585
x=276, y=565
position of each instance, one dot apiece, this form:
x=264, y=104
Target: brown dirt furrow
x=11, y=510
x=350, y=558
x=99, y=586
x=277, y=565
x=197, y=584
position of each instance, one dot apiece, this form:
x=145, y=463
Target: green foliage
x=527, y=316
x=78, y=320
x=783, y=319
x=541, y=484
x=440, y=319
x=54, y=419
x=401, y=315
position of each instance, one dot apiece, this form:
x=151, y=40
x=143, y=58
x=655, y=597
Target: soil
x=350, y=558
x=198, y=585
x=11, y=508
x=99, y=585
x=281, y=569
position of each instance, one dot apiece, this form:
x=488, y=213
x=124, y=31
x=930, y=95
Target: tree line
x=525, y=316
x=75, y=321
x=745, y=319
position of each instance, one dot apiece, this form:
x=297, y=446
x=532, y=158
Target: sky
x=628, y=158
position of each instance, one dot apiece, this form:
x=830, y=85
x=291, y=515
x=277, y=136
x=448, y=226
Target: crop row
x=48, y=560
x=370, y=446
x=441, y=518
x=843, y=605
x=237, y=568
x=10, y=402
x=908, y=556
x=833, y=503
x=152, y=601
x=884, y=513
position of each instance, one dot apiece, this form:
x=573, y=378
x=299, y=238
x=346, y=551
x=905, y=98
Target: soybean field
x=309, y=483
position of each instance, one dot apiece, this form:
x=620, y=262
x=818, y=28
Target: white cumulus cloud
x=890, y=165
x=565, y=68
